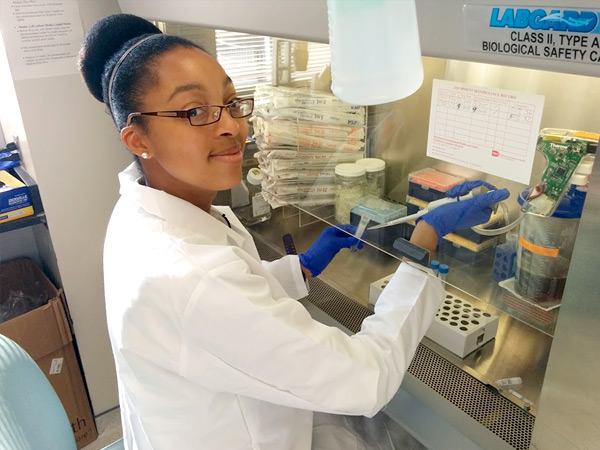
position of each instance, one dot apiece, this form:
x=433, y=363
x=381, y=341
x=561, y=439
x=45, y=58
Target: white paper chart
x=42, y=37
x=486, y=129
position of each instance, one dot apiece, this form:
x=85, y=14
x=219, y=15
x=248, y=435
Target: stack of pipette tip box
x=301, y=136
x=466, y=246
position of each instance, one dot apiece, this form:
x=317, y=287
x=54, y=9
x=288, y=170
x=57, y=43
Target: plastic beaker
x=375, y=50
x=543, y=256
x=545, y=246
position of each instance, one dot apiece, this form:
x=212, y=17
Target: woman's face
x=184, y=159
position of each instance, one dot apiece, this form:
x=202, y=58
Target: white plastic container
x=350, y=188
x=375, y=50
x=256, y=209
x=375, y=168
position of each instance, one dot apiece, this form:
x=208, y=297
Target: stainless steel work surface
x=517, y=351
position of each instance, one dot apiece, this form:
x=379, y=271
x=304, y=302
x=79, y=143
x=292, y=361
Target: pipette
x=431, y=206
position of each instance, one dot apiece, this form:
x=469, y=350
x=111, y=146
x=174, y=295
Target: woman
x=212, y=349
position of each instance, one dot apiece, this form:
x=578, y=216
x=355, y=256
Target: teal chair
x=31, y=414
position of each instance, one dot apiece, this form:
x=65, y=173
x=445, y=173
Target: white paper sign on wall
x=41, y=37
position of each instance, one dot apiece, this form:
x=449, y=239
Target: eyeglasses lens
x=205, y=115
x=241, y=108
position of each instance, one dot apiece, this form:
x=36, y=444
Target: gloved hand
x=467, y=186
x=460, y=215
x=327, y=245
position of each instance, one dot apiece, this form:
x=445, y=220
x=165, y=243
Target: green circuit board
x=563, y=158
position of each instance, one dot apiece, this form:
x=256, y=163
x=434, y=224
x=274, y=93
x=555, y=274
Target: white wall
x=10, y=116
x=74, y=150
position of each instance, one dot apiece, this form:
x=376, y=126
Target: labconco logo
x=540, y=19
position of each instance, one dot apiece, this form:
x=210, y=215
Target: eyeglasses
x=204, y=115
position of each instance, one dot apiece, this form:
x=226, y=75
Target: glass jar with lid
x=350, y=188
x=375, y=168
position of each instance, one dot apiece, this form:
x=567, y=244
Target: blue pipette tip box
x=379, y=211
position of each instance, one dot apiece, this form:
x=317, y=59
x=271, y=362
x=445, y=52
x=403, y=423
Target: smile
x=233, y=155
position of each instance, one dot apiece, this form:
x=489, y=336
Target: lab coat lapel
x=238, y=235
x=183, y=214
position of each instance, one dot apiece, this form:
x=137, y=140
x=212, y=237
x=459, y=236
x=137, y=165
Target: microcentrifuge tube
x=364, y=221
x=509, y=381
x=443, y=270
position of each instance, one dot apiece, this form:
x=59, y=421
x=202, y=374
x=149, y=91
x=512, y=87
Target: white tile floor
x=109, y=430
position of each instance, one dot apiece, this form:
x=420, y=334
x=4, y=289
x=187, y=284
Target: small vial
x=435, y=265
x=443, y=270
x=509, y=381
x=362, y=226
x=520, y=397
x=512, y=239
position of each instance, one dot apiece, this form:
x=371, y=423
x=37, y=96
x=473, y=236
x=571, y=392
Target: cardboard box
x=45, y=333
x=15, y=201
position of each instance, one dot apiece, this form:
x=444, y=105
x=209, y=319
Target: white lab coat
x=211, y=347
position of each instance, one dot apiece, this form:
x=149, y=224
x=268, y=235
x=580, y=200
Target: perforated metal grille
x=341, y=308
x=500, y=416
x=266, y=253
x=503, y=418
x=333, y=303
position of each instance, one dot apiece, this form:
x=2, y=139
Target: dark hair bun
x=103, y=40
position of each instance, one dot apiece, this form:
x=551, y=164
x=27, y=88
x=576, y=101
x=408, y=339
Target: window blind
x=318, y=59
x=248, y=60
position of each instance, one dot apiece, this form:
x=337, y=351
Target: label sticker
x=538, y=249
x=554, y=33
x=260, y=207
x=56, y=366
x=587, y=135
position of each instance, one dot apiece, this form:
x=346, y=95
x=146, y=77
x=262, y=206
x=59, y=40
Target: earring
x=145, y=155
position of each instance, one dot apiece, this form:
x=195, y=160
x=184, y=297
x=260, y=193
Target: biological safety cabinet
x=518, y=80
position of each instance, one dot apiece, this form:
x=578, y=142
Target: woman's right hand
x=466, y=214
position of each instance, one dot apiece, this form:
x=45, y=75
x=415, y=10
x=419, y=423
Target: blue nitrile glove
x=327, y=245
x=466, y=187
x=460, y=215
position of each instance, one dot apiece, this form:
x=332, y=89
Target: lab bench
x=445, y=401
